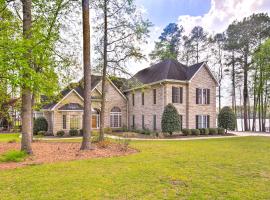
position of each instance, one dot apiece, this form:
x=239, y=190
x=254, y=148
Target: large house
x=139, y=102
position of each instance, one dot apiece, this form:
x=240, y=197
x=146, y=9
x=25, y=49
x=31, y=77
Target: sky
x=213, y=15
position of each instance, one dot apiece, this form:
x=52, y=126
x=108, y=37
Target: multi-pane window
x=74, y=122
x=115, y=117
x=154, y=96
x=202, y=121
x=143, y=122
x=133, y=99
x=142, y=98
x=64, y=121
x=154, y=122
x=202, y=96
x=177, y=95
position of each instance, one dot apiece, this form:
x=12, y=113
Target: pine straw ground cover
x=51, y=152
x=229, y=168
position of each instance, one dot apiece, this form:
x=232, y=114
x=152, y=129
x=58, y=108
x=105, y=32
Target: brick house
x=140, y=102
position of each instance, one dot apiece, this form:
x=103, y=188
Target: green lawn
x=9, y=137
x=235, y=168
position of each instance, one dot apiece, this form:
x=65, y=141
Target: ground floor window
x=154, y=122
x=115, y=118
x=202, y=121
x=64, y=121
x=74, y=122
x=181, y=122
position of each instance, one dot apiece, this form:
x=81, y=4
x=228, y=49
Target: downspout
x=127, y=121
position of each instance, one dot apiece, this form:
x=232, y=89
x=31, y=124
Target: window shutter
x=181, y=95
x=154, y=122
x=133, y=99
x=154, y=96
x=142, y=121
x=197, y=121
x=142, y=98
x=197, y=95
x=181, y=122
x=208, y=96
x=208, y=121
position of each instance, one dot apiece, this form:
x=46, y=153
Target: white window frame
x=77, y=122
x=202, y=121
x=202, y=96
x=118, y=116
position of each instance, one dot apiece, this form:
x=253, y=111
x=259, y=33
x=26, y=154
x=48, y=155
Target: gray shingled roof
x=167, y=69
x=71, y=106
x=79, y=89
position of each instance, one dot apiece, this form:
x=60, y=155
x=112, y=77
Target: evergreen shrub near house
x=221, y=131
x=73, y=132
x=204, y=131
x=227, y=119
x=213, y=131
x=60, y=133
x=42, y=133
x=40, y=124
x=186, y=131
x=195, y=131
x=170, y=120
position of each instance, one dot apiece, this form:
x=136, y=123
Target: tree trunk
x=104, y=73
x=86, y=143
x=234, y=88
x=26, y=92
x=245, y=93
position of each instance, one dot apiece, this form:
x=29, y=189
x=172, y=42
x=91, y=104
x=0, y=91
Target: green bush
x=42, y=133
x=13, y=156
x=227, y=119
x=73, y=132
x=213, y=131
x=221, y=131
x=204, y=131
x=146, y=131
x=60, y=133
x=125, y=129
x=170, y=120
x=195, y=131
x=108, y=130
x=40, y=124
x=81, y=132
x=186, y=131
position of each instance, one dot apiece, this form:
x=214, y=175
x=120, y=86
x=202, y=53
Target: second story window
x=154, y=96
x=177, y=95
x=142, y=98
x=202, y=96
x=133, y=99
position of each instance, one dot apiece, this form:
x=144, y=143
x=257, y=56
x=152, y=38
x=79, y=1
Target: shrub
x=170, y=120
x=221, y=131
x=204, y=131
x=13, y=156
x=60, y=133
x=195, y=131
x=186, y=131
x=40, y=124
x=125, y=129
x=227, y=119
x=145, y=131
x=41, y=133
x=108, y=130
x=213, y=131
x=73, y=132
x=81, y=132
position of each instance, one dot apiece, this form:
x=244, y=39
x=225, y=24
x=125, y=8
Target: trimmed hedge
x=204, y=131
x=60, y=133
x=221, y=131
x=73, y=132
x=186, y=131
x=40, y=124
x=213, y=131
x=195, y=131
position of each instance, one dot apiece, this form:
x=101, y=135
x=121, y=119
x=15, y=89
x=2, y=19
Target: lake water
x=240, y=124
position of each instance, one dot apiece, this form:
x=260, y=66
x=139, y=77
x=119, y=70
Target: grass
x=13, y=156
x=9, y=137
x=230, y=168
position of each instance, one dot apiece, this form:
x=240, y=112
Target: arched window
x=115, y=118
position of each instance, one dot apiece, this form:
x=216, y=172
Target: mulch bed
x=51, y=152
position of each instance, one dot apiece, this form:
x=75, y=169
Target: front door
x=95, y=121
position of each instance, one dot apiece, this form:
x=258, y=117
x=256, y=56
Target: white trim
x=73, y=90
x=208, y=69
x=157, y=82
x=70, y=110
